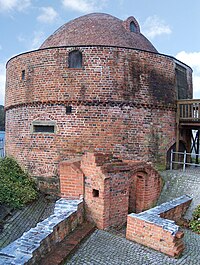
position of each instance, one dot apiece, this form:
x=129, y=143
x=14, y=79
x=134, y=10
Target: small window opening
x=75, y=59
x=43, y=128
x=132, y=27
x=23, y=74
x=95, y=193
x=68, y=109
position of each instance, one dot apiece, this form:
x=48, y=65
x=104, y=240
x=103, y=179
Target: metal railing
x=182, y=161
x=188, y=110
x=2, y=147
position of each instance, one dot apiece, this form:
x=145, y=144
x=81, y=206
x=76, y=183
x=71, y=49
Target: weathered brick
x=123, y=100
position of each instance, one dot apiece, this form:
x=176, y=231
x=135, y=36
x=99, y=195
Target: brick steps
x=68, y=245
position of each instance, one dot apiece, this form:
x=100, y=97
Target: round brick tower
x=95, y=84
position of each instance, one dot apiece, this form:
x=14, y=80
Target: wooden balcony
x=188, y=112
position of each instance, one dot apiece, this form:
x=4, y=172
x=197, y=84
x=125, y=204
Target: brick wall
x=122, y=101
x=150, y=229
x=110, y=191
x=96, y=191
x=71, y=179
x=114, y=74
x=103, y=129
x=40, y=240
x=145, y=185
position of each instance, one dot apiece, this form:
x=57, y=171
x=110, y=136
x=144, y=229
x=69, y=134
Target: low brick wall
x=38, y=241
x=149, y=228
x=71, y=179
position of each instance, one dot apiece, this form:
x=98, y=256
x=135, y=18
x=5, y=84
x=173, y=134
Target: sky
x=171, y=26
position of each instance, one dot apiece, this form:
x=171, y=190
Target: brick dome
x=99, y=29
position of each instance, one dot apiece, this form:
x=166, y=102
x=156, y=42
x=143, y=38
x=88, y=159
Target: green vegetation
x=2, y=118
x=16, y=188
x=195, y=222
x=160, y=167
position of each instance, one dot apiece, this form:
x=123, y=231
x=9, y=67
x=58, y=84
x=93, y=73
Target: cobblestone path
x=103, y=248
x=178, y=183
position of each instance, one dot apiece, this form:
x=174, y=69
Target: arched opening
x=137, y=191
x=75, y=59
x=182, y=148
x=132, y=27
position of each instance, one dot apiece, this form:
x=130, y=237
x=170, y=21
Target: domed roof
x=99, y=29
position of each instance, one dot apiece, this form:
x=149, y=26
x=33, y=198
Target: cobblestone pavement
x=103, y=248
x=178, y=183
x=22, y=220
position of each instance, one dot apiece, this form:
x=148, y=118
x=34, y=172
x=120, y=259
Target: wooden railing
x=188, y=110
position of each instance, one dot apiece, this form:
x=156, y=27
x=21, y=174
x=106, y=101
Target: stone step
x=68, y=245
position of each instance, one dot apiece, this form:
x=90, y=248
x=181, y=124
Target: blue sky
x=171, y=25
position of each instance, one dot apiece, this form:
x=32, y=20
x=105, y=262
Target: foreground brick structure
x=71, y=179
x=150, y=229
x=111, y=187
x=105, y=88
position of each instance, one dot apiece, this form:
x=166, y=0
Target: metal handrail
x=184, y=162
x=2, y=148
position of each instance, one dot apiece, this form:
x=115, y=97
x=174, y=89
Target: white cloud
x=10, y=5
x=193, y=60
x=84, y=6
x=48, y=15
x=2, y=82
x=33, y=42
x=154, y=26
x=38, y=38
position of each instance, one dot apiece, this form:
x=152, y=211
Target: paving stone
x=24, y=219
x=104, y=248
x=22, y=250
x=178, y=183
